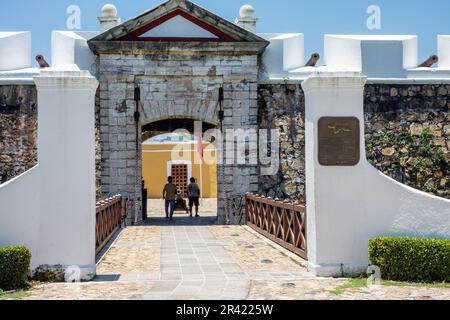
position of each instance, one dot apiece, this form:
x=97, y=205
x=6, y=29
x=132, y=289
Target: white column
x=67, y=167
x=330, y=190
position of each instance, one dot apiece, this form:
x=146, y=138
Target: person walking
x=169, y=194
x=194, y=197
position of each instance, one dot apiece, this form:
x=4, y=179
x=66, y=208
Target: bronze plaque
x=339, y=142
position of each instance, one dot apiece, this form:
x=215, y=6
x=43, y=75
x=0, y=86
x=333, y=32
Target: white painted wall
x=439, y=72
x=379, y=56
x=70, y=47
x=57, y=217
x=430, y=75
x=66, y=157
x=342, y=53
x=20, y=76
x=285, y=52
x=347, y=206
x=382, y=58
x=15, y=50
x=444, y=51
x=19, y=212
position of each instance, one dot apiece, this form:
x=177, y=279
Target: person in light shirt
x=194, y=197
x=169, y=194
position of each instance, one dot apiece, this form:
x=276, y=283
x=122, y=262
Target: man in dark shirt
x=194, y=196
x=169, y=194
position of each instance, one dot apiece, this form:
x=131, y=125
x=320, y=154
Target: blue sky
x=311, y=17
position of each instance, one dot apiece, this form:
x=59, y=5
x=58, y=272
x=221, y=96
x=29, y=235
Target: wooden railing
x=110, y=214
x=281, y=221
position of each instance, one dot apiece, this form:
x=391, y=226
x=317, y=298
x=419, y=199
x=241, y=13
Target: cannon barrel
x=313, y=60
x=41, y=61
x=429, y=62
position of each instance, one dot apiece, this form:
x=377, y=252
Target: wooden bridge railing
x=283, y=222
x=110, y=214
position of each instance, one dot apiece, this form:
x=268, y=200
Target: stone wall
x=407, y=131
x=283, y=107
x=407, y=135
x=18, y=130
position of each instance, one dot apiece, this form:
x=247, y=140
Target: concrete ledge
x=176, y=48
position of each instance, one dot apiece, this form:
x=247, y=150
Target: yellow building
x=178, y=156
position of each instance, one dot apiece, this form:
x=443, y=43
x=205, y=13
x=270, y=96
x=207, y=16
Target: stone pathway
x=181, y=262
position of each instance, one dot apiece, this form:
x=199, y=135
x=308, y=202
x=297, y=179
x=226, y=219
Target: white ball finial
x=247, y=11
x=109, y=18
x=109, y=11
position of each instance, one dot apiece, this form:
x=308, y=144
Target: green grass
x=16, y=295
x=360, y=283
x=19, y=294
x=350, y=284
x=438, y=285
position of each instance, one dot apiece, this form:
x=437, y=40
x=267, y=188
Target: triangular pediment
x=178, y=27
x=178, y=20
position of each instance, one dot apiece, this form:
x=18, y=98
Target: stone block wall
x=282, y=107
x=182, y=83
x=407, y=135
x=407, y=126
x=18, y=130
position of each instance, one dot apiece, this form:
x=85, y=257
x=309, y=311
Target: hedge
x=411, y=259
x=14, y=267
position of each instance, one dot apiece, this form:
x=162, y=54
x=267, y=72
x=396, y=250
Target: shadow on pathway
x=181, y=221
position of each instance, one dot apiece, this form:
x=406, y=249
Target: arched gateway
x=179, y=55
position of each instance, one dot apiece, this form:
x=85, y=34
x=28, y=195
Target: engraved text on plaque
x=339, y=141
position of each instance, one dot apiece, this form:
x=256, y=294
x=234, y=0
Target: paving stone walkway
x=178, y=262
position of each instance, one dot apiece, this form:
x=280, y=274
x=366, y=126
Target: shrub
x=14, y=267
x=411, y=259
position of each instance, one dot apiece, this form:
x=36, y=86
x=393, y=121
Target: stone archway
x=170, y=147
x=181, y=96
x=177, y=97
x=169, y=93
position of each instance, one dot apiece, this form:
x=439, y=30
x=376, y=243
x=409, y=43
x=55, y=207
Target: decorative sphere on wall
x=109, y=10
x=247, y=11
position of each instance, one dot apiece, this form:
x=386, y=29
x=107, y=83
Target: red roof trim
x=136, y=35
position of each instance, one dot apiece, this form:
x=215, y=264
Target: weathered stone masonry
x=283, y=107
x=408, y=134
x=18, y=130
x=398, y=118
x=180, y=82
x=392, y=113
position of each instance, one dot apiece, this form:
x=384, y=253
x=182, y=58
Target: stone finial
x=247, y=18
x=109, y=18
x=429, y=62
